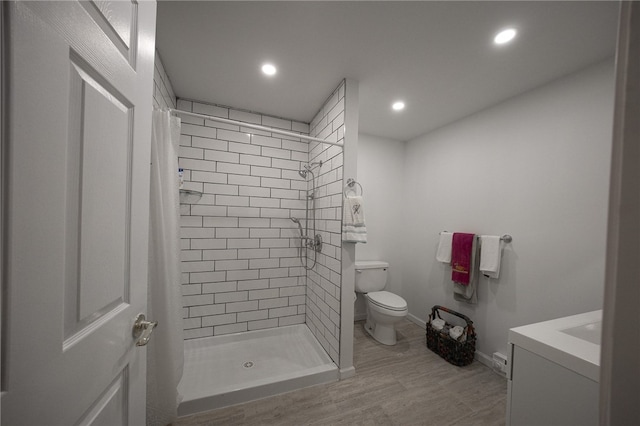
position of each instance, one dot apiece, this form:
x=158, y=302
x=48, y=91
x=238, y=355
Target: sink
x=591, y=332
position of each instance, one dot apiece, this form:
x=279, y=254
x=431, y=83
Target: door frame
x=619, y=351
x=3, y=145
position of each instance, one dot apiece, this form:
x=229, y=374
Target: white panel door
x=79, y=93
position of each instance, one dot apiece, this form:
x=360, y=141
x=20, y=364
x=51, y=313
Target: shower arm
x=308, y=168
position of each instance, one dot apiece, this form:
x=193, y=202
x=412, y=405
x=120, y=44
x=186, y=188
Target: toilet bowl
x=384, y=309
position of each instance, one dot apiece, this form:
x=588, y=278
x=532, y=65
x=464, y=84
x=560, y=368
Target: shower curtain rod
x=253, y=126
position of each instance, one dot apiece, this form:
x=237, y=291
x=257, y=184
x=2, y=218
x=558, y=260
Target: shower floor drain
x=248, y=364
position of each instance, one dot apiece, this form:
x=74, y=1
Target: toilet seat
x=387, y=300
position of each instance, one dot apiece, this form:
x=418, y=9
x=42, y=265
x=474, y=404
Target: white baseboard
x=414, y=319
x=347, y=372
x=484, y=359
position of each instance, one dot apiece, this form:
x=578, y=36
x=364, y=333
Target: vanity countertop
x=568, y=341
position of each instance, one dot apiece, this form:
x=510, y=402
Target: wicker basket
x=458, y=352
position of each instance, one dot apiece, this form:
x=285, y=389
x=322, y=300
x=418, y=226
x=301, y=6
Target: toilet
x=384, y=309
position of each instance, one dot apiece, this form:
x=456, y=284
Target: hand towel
x=467, y=292
x=354, y=234
x=461, y=253
x=490, y=253
x=354, y=209
x=444, y=247
x=353, y=227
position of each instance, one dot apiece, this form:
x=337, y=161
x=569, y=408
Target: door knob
x=142, y=329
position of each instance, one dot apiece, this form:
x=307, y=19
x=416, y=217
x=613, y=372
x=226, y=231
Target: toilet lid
x=387, y=300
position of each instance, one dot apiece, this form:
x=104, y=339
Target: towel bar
x=506, y=237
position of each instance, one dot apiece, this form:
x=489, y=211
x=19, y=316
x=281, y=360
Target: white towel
x=437, y=323
x=444, y=247
x=354, y=211
x=353, y=227
x=456, y=332
x=490, y=253
x=354, y=234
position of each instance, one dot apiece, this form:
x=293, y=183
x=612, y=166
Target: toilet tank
x=371, y=275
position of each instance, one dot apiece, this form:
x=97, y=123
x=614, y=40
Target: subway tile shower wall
x=325, y=279
x=240, y=264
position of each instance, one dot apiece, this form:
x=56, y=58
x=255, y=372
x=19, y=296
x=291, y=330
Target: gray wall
x=381, y=174
x=536, y=167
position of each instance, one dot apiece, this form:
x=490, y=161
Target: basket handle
x=447, y=310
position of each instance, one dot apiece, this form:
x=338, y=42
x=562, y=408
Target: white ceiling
x=436, y=56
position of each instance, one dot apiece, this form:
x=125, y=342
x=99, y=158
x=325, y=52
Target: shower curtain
x=165, y=351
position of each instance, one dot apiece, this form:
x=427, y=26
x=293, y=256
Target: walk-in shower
x=307, y=241
x=261, y=252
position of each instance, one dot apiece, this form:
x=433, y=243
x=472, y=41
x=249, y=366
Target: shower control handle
x=316, y=243
x=142, y=330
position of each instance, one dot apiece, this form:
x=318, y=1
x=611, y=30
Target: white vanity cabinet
x=553, y=374
x=542, y=392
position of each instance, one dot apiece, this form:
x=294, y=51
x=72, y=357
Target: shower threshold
x=226, y=370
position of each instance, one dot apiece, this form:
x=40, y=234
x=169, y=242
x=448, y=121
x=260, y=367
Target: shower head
x=308, y=169
x=297, y=222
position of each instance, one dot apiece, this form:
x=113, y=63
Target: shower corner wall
x=350, y=152
x=324, y=282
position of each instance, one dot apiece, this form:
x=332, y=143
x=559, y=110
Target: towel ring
x=350, y=187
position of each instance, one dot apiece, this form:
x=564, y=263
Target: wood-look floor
x=405, y=384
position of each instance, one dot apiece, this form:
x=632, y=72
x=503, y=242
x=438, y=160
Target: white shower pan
x=226, y=370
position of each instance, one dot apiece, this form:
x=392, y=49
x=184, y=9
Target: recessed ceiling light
x=269, y=69
x=398, y=106
x=505, y=36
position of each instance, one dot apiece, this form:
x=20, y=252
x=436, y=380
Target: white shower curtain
x=165, y=353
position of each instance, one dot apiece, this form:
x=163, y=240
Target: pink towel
x=461, y=257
